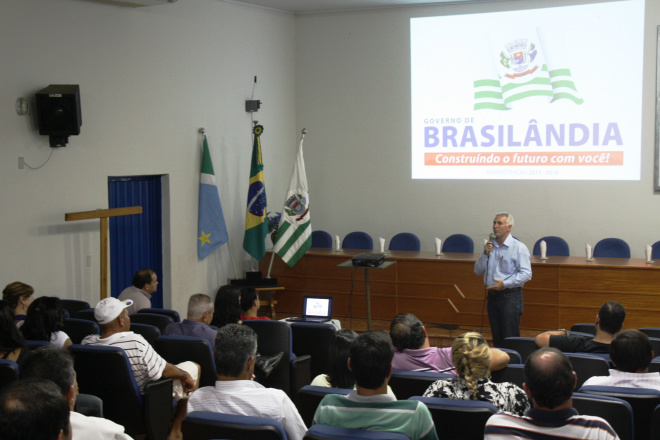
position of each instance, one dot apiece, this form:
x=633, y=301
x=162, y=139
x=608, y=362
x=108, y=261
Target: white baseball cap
x=108, y=309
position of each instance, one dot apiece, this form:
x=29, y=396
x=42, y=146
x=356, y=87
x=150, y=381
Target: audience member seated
x=199, y=315
x=147, y=365
x=340, y=376
x=370, y=407
x=56, y=365
x=19, y=297
x=250, y=304
x=235, y=391
x=414, y=352
x=12, y=343
x=44, y=322
x=34, y=410
x=227, y=306
x=549, y=382
x=471, y=355
x=608, y=321
x=145, y=284
x=631, y=353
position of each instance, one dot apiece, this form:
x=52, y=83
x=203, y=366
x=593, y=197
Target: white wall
x=353, y=94
x=149, y=78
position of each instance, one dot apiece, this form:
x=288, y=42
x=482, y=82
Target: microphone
x=491, y=237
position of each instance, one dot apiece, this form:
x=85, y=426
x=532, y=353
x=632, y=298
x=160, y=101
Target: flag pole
x=272, y=255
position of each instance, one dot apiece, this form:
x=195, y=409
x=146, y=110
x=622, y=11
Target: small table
x=271, y=297
x=383, y=265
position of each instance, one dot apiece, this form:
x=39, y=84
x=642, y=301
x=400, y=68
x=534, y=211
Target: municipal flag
x=211, y=227
x=256, y=226
x=294, y=236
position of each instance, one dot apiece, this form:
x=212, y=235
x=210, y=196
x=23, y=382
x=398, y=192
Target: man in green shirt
x=370, y=407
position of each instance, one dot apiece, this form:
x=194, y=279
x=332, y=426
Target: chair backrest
x=459, y=243
x=642, y=400
x=87, y=314
x=160, y=321
x=313, y=339
x=406, y=384
x=612, y=248
x=307, y=399
x=458, y=419
x=321, y=239
x=34, y=344
x=358, y=240
x=617, y=412
x=8, y=372
x=149, y=332
x=207, y=425
x=514, y=356
x=74, y=305
x=655, y=424
x=105, y=372
x=655, y=250
x=651, y=332
x=326, y=432
x=522, y=344
x=555, y=246
x=177, y=349
x=274, y=337
x=167, y=312
x=655, y=343
x=511, y=373
x=77, y=329
x=584, y=327
x=587, y=365
x=405, y=241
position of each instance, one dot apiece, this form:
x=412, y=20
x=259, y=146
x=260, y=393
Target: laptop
x=315, y=309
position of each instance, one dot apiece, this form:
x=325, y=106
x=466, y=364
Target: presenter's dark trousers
x=505, y=307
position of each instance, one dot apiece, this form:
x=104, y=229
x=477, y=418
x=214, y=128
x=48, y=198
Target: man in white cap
x=147, y=365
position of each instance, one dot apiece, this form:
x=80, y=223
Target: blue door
x=136, y=241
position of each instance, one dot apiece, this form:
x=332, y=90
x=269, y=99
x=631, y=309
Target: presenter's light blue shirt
x=509, y=262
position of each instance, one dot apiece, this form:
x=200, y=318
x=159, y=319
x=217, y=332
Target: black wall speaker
x=58, y=113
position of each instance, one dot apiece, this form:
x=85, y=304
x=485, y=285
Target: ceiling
x=312, y=6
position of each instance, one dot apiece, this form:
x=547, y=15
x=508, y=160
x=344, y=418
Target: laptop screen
x=317, y=307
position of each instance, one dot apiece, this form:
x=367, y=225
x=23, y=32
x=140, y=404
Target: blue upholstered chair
x=200, y=425
x=138, y=413
x=555, y=246
x=177, y=349
x=522, y=344
x=156, y=319
x=326, y=432
x=8, y=372
x=321, y=239
x=313, y=338
x=87, y=314
x=74, y=305
x=147, y=331
x=307, y=399
x=406, y=384
x=514, y=356
x=617, y=412
x=587, y=365
x=584, y=327
x=511, y=373
x=405, y=241
x=459, y=243
x=651, y=332
x=358, y=240
x=612, y=248
x=167, y=312
x=458, y=419
x=78, y=329
x=642, y=400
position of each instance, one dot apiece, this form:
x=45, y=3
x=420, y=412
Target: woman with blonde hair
x=471, y=356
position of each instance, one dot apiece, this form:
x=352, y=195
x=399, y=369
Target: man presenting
x=505, y=265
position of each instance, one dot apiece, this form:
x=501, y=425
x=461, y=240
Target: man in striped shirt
x=370, y=407
x=236, y=392
x=147, y=365
x=549, y=382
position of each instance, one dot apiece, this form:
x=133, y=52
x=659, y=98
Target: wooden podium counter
x=563, y=290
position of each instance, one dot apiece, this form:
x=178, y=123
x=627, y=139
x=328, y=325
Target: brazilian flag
x=256, y=225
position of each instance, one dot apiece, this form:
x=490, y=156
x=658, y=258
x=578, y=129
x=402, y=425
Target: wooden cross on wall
x=103, y=214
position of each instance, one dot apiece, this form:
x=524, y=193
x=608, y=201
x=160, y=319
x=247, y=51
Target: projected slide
x=552, y=93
